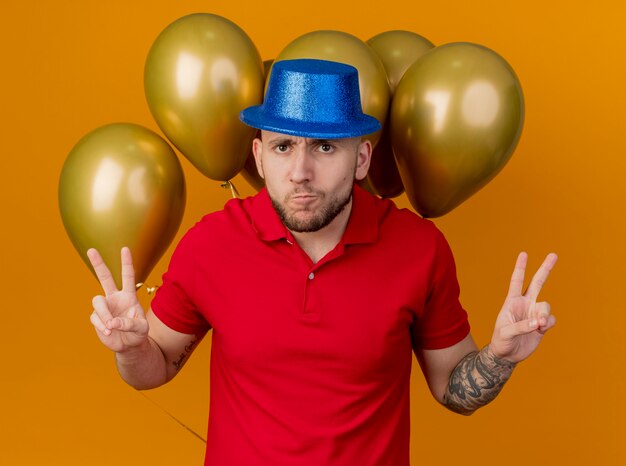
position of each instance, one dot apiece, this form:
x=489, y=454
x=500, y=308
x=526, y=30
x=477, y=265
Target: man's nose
x=302, y=165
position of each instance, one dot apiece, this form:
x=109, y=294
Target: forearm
x=143, y=367
x=476, y=381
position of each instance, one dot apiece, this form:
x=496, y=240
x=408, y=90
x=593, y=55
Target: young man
x=317, y=294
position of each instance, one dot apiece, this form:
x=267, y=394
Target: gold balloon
x=345, y=48
x=249, y=171
x=200, y=73
x=397, y=50
x=122, y=185
x=383, y=175
x=456, y=118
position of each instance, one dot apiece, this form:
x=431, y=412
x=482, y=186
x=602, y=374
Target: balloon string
x=149, y=289
x=172, y=416
x=233, y=190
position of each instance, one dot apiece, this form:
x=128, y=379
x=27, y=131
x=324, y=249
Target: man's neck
x=317, y=244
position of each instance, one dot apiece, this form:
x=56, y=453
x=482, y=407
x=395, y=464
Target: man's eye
x=326, y=148
x=282, y=148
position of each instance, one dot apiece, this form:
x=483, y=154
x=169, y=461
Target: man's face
x=310, y=180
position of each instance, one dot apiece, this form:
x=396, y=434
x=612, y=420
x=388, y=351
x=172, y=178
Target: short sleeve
x=174, y=302
x=443, y=322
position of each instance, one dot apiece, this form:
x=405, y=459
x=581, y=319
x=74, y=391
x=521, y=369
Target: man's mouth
x=302, y=199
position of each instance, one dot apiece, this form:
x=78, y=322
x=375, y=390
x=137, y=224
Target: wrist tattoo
x=476, y=381
x=180, y=362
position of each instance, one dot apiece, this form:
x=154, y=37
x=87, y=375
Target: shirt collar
x=362, y=225
x=265, y=220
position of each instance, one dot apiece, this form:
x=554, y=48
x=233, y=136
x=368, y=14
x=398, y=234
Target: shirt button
x=311, y=276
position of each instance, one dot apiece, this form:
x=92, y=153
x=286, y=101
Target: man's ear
x=257, y=151
x=364, y=157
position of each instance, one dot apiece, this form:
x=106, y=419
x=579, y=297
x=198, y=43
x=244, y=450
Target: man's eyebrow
x=316, y=142
x=288, y=141
x=279, y=141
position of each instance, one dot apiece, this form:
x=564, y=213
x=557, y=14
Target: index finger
x=102, y=272
x=541, y=276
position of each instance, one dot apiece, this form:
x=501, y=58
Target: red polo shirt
x=310, y=363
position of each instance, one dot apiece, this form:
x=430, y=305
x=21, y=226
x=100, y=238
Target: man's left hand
x=523, y=321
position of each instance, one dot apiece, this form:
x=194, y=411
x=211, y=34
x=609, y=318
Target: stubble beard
x=327, y=213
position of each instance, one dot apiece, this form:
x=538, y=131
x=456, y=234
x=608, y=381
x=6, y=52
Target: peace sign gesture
x=118, y=317
x=523, y=321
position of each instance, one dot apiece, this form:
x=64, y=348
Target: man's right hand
x=118, y=318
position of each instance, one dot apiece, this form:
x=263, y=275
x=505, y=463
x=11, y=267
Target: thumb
x=522, y=327
x=129, y=324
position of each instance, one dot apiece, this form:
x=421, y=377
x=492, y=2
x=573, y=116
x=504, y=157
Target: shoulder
x=228, y=223
x=396, y=232
x=407, y=238
x=402, y=223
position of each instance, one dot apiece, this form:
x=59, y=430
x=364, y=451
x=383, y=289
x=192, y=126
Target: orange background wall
x=68, y=67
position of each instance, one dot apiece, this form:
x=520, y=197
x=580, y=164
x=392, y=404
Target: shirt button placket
x=309, y=312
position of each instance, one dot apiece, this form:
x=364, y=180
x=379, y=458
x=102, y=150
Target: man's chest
x=350, y=315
